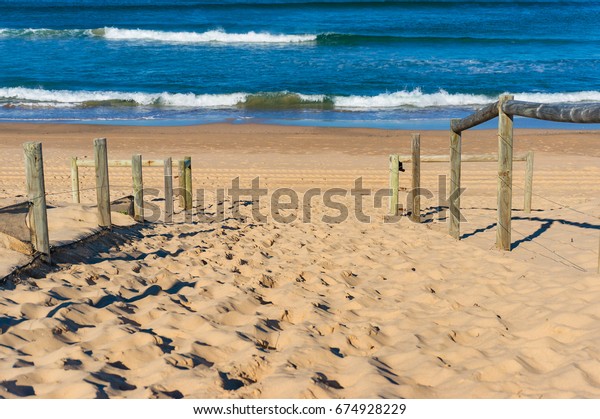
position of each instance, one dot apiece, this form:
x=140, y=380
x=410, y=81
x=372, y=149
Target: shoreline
x=368, y=122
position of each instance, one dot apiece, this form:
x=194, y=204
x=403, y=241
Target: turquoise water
x=391, y=64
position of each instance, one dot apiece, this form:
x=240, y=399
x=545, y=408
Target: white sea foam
x=22, y=96
x=415, y=98
x=587, y=96
x=442, y=99
x=62, y=98
x=219, y=36
x=200, y=101
x=119, y=34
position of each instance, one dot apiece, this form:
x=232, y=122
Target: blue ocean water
x=351, y=63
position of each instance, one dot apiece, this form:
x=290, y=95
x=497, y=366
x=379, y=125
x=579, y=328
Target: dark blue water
x=360, y=63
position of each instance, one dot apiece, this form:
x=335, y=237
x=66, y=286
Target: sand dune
x=240, y=308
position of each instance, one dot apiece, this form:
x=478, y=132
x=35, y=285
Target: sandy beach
x=239, y=307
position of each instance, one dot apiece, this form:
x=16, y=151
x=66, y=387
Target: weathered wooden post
x=75, y=180
x=168, y=190
x=182, y=183
x=528, y=182
x=138, y=188
x=505, y=163
x=416, y=178
x=394, y=183
x=36, y=192
x=189, y=197
x=454, y=198
x=102, y=186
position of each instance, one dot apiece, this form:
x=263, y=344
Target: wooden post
x=168, y=191
x=189, y=197
x=75, y=180
x=394, y=183
x=36, y=192
x=102, y=186
x=138, y=188
x=416, y=178
x=454, y=198
x=505, y=163
x=182, y=183
x=528, y=182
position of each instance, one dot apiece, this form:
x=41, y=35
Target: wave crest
x=118, y=34
x=404, y=99
x=216, y=36
x=252, y=37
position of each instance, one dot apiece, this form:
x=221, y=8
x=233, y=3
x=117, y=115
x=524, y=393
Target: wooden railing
x=36, y=205
x=416, y=159
x=505, y=108
x=136, y=163
x=557, y=112
x=485, y=114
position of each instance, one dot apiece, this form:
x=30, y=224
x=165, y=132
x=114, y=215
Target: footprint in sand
x=350, y=278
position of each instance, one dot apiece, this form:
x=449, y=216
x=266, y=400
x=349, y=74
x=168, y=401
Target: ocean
x=386, y=64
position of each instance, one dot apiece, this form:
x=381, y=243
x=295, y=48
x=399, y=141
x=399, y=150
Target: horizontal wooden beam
x=473, y=158
x=125, y=163
x=482, y=115
x=587, y=113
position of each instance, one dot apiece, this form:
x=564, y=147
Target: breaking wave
x=42, y=98
x=117, y=34
x=219, y=36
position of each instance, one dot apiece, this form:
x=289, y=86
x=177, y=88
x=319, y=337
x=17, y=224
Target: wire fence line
x=564, y=258
x=95, y=188
x=569, y=263
x=69, y=192
x=562, y=204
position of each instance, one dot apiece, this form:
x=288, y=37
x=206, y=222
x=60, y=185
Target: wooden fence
x=505, y=109
x=416, y=159
x=136, y=163
x=34, y=169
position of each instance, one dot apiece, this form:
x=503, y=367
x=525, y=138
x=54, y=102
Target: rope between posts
x=562, y=205
x=69, y=192
x=570, y=262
